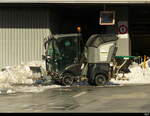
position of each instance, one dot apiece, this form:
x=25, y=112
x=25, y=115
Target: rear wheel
x=67, y=79
x=100, y=79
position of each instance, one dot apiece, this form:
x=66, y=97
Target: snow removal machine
x=67, y=63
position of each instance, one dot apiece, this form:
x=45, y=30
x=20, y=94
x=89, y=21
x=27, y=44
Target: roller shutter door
x=21, y=34
x=140, y=30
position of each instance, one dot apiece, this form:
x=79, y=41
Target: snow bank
x=20, y=74
x=20, y=78
x=16, y=75
x=12, y=76
x=137, y=75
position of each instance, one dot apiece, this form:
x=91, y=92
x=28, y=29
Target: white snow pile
x=21, y=79
x=138, y=75
x=21, y=75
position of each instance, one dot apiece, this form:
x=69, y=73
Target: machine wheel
x=67, y=79
x=100, y=79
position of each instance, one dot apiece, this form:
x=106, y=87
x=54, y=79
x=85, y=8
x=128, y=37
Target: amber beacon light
x=79, y=29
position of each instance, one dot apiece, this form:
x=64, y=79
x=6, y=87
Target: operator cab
x=62, y=50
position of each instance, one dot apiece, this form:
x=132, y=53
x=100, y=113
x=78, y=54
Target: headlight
x=111, y=64
x=48, y=57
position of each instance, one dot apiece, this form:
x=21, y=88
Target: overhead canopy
x=75, y=1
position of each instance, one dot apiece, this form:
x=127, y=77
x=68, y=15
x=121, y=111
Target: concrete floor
x=80, y=99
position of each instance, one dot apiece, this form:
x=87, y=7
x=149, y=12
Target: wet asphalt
x=122, y=99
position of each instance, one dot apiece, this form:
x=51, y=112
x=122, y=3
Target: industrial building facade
x=24, y=25
x=21, y=33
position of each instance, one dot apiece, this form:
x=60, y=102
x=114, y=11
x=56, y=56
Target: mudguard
x=74, y=69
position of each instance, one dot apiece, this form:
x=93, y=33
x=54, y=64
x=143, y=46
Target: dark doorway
x=140, y=29
x=83, y=15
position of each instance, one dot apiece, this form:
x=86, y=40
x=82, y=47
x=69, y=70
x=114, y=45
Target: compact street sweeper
x=67, y=63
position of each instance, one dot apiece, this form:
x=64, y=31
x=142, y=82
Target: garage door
x=21, y=34
x=140, y=30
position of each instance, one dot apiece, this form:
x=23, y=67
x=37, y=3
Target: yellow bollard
x=144, y=61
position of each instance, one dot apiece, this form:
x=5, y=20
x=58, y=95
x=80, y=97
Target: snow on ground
x=137, y=75
x=21, y=75
x=12, y=76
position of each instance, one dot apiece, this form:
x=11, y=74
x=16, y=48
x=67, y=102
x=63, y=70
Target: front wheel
x=100, y=79
x=67, y=79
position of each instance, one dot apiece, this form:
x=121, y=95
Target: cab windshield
x=64, y=50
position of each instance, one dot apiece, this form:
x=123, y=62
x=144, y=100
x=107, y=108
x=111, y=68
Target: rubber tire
x=100, y=79
x=67, y=79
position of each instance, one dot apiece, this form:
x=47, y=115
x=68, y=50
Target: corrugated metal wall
x=21, y=34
